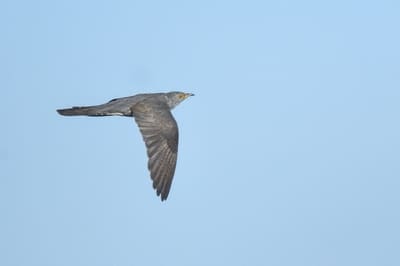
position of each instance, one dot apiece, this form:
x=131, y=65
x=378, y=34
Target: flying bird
x=152, y=113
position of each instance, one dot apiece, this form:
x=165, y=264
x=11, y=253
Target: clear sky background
x=289, y=152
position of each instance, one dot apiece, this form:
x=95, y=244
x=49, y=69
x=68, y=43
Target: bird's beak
x=189, y=94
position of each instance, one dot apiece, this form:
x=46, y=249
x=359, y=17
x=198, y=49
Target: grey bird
x=152, y=113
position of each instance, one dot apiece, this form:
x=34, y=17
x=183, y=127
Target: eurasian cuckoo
x=152, y=113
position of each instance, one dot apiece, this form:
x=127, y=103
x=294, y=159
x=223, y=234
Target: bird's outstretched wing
x=160, y=134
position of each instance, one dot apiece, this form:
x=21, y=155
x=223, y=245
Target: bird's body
x=157, y=125
x=119, y=106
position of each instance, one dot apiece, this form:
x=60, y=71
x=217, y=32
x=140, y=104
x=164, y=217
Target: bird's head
x=176, y=97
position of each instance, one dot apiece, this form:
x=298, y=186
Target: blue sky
x=289, y=152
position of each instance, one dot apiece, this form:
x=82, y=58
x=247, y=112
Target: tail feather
x=115, y=107
x=97, y=110
x=84, y=110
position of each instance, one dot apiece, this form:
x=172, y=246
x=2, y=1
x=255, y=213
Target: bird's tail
x=96, y=110
x=83, y=110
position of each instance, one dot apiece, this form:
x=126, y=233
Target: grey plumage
x=157, y=126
